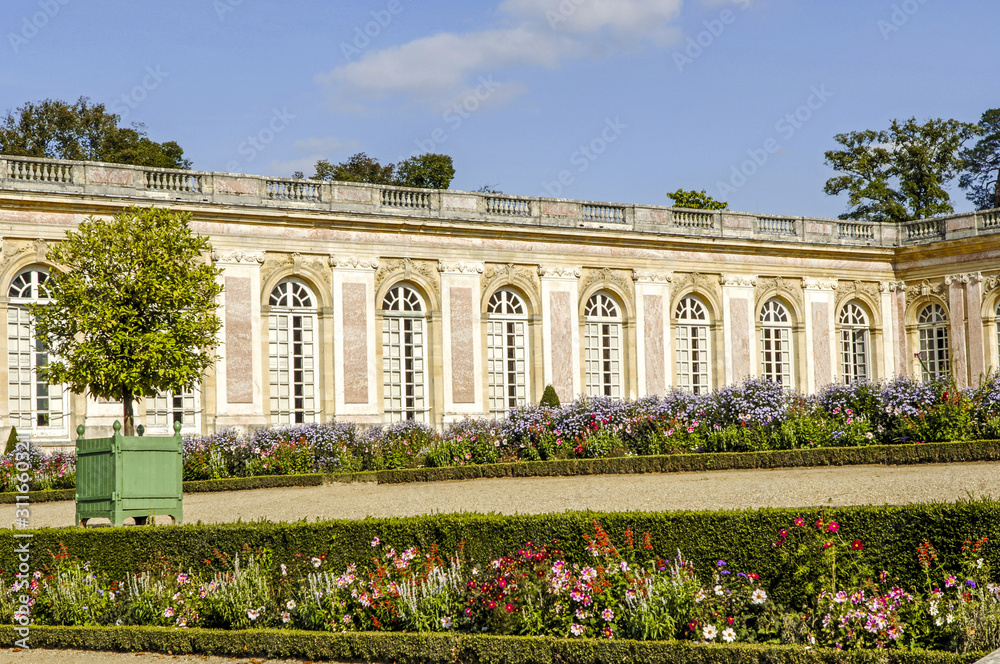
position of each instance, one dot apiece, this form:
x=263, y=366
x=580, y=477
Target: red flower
x=509, y=608
x=833, y=527
x=827, y=545
x=692, y=625
x=857, y=545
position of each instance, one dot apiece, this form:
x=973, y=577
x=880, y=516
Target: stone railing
x=400, y=203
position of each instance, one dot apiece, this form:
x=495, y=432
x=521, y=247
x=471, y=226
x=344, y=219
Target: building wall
x=351, y=244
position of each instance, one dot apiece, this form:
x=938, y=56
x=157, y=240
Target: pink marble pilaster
x=239, y=341
x=562, y=344
x=977, y=345
x=956, y=330
x=354, y=298
x=899, y=328
x=739, y=310
x=462, y=349
x=822, y=369
x=654, y=351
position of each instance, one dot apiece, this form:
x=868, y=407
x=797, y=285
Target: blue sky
x=608, y=100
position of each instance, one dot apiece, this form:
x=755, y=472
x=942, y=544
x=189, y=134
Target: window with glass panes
x=292, y=327
x=168, y=407
x=403, y=371
x=692, y=346
x=36, y=406
x=932, y=338
x=602, y=346
x=854, y=352
x=776, y=343
x=506, y=351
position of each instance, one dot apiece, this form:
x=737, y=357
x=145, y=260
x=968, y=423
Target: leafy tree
x=549, y=397
x=489, y=189
x=699, y=200
x=359, y=168
x=85, y=132
x=134, y=312
x=430, y=171
x=899, y=173
x=981, y=178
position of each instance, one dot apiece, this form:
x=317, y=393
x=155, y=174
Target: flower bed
x=618, y=591
x=752, y=417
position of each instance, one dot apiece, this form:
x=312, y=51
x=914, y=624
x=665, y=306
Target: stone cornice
x=742, y=280
x=354, y=263
x=238, y=256
x=559, y=272
x=652, y=277
x=460, y=268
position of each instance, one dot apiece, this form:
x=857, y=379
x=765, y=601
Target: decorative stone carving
x=238, y=256
x=847, y=290
x=790, y=289
x=990, y=282
x=695, y=281
x=811, y=283
x=408, y=267
x=744, y=280
x=924, y=289
x=354, y=263
x=460, y=268
x=509, y=274
x=652, y=277
x=964, y=278
x=12, y=250
x=559, y=271
x=606, y=277
x=296, y=263
x=892, y=286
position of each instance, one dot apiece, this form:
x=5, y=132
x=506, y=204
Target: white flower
x=252, y=614
x=979, y=563
x=728, y=635
x=576, y=630
x=446, y=622
x=718, y=590
x=700, y=597
x=284, y=570
x=290, y=604
x=933, y=610
x=938, y=621
x=709, y=632
x=375, y=542
x=758, y=596
x=316, y=562
x=949, y=618
x=285, y=617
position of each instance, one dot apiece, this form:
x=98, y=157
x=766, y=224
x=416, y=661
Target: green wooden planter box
x=128, y=476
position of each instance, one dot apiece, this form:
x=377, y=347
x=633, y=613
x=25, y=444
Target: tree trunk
x=127, y=414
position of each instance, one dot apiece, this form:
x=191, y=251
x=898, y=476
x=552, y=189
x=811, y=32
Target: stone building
x=377, y=304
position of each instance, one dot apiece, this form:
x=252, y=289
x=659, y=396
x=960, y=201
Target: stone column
x=356, y=375
x=653, y=344
x=904, y=353
x=462, y=346
x=975, y=331
x=240, y=370
x=891, y=335
x=739, y=326
x=957, y=345
x=821, y=346
x=561, y=329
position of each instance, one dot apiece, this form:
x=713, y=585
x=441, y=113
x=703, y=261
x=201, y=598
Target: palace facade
x=378, y=304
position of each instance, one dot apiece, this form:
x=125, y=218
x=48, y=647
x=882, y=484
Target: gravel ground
x=721, y=489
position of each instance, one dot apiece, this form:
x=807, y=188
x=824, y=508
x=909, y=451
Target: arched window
x=292, y=327
x=776, y=343
x=854, y=351
x=36, y=406
x=403, y=333
x=932, y=336
x=506, y=351
x=693, y=373
x=602, y=352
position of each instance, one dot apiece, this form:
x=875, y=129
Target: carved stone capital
x=652, y=277
x=745, y=280
x=559, y=272
x=892, y=286
x=460, y=268
x=238, y=256
x=963, y=278
x=354, y=263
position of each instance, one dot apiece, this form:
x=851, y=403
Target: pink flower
x=800, y=522
x=833, y=527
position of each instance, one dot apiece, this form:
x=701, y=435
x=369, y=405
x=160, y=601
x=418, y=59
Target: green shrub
x=549, y=397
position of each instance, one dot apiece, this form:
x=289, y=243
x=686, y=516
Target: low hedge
x=451, y=648
x=890, y=534
x=898, y=455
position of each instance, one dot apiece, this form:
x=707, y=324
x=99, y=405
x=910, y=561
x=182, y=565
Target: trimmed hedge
x=897, y=455
x=198, y=486
x=743, y=538
x=452, y=648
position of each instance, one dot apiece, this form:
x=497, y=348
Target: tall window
x=403, y=331
x=854, y=343
x=932, y=335
x=692, y=346
x=35, y=405
x=776, y=343
x=292, y=353
x=505, y=351
x=168, y=407
x=602, y=334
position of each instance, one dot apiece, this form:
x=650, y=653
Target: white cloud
x=540, y=33
x=323, y=145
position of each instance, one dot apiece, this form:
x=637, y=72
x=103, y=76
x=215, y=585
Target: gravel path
x=721, y=489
